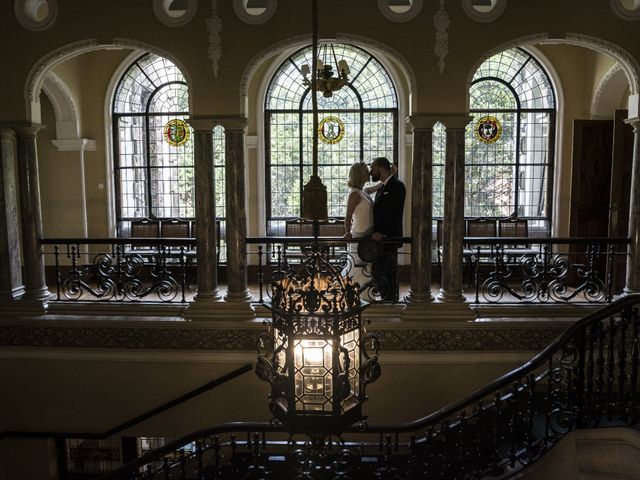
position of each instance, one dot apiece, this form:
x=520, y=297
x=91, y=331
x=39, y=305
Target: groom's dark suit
x=387, y=220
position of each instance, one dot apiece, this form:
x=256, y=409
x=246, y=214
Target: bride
x=358, y=222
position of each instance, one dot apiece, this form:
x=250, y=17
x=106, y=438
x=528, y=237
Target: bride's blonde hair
x=358, y=175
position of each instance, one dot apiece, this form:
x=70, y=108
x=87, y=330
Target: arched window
x=153, y=146
x=509, y=143
x=361, y=117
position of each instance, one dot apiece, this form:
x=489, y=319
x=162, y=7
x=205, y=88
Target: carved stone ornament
x=441, y=22
x=214, y=27
x=441, y=339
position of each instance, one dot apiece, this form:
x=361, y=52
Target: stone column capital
x=634, y=122
x=422, y=121
x=6, y=132
x=201, y=123
x=232, y=123
x=26, y=129
x=455, y=121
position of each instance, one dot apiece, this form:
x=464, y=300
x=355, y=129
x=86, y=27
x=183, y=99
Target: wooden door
x=591, y=178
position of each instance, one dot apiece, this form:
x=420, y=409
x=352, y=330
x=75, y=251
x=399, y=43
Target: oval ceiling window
x=627, y=9
x=175, y=13
x=35, y=14
x=255, y=12
x=484, y=10
x=400, y=10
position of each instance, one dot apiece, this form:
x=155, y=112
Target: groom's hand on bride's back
x=377, y=236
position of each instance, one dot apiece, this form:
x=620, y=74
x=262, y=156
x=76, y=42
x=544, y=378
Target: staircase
x=587, y=378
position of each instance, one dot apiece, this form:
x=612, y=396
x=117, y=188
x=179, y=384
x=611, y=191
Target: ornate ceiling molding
x=441, y=22
x=214, y=27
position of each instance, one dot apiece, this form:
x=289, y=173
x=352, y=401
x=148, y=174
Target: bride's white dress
x=361, y=226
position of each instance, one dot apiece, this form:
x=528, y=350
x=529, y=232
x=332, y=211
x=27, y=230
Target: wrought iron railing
x=587, y=378
x=277, y=256
x=121, y=269
x=545, y=269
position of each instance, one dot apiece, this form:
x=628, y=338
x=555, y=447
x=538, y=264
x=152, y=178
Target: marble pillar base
x=415, y=298
x=41, y=295
x=208, y=296
x=218, y=310
x=243, y=296
x=451, y=296
x=11, y=295
x=628, y=291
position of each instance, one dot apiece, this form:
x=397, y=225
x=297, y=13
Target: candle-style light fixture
x=316, y=354
x=331, y=74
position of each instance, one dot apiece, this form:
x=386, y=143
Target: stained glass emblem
x=331, y=130
x=488, y=129
x=176, y=132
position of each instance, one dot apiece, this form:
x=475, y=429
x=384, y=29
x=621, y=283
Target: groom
x=387, y=223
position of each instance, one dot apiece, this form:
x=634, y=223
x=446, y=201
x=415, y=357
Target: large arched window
x=362, y=117
x=509, y=143
x=153, y=146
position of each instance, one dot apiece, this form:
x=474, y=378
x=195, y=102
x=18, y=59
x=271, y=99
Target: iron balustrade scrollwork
x=586, y=378
x=544, y=269
x=121, y=269
x=278, y=256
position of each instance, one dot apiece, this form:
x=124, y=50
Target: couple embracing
x=379, y=218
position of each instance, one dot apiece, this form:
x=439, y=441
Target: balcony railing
x=121, y=269
x=504, y=270
x=545, y=269
x=587, y=378
x=277, y=256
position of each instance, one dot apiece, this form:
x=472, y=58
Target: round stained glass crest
x=176, y=132
x=488, y=129
x=331, y=130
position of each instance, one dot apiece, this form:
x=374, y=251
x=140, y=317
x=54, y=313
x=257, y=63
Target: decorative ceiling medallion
x=400, y=10
x=331, y=130
x=626, y=9
x=488, y=129
x=36, y=15
x=484, y=10
x=255, y=12
x=176, y=132
x=175, y=13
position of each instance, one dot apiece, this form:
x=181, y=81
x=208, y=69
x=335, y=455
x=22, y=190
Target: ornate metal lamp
x=317, y=355
x=328, y=79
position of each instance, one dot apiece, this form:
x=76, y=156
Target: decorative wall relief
x=441, y=22
x=214, y=27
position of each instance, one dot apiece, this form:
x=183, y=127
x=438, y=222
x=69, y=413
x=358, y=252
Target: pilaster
x=453, y=221
x=421, y=213
x=11, y=287
x=632, y=283
x=236, y=218
x=207, y=267
x=36, y=290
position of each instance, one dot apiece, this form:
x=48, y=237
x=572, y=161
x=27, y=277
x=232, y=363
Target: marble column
x=207, y=265
x=453, y=221
x=421, y=210
x=632, y=284
x=236, y=233
x=31, y=215
x=11, y=287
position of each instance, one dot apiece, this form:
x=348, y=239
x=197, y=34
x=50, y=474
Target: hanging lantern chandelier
x=316, y=354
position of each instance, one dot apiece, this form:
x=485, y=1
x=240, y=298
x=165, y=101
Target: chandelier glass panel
x=357, y=122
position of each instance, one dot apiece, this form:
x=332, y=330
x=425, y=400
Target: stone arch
x=607, y=94
x=36, y=76
x=629, y=65
x=64, y=106
x=390, y=55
